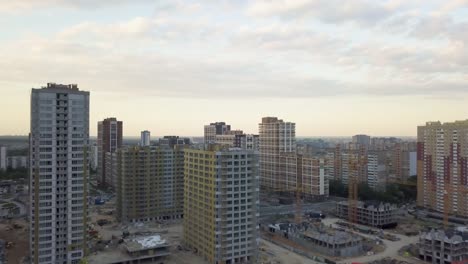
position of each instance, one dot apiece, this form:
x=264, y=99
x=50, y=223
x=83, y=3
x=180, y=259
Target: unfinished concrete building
x=150, y=183
x=221, y=198
x=338, y=244
x=444, y=247
x=375, y=214
x=134, y=250
x=320, y=239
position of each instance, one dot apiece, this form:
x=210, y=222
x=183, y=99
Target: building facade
x=172, y=141
x=3, y=158
x=221, y=199
x=239, y=140
x=362, y=140
x=213, y=129
x=149, y=182
x=145, y=139
x=443, y=167
x=17, y=162
x=440, y=247
x=276, y=138
x=109, y=140
x=58, y=185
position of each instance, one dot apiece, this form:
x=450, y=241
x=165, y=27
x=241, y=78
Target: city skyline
x=378, y=68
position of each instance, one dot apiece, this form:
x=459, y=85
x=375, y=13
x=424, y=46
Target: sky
x=335, y=68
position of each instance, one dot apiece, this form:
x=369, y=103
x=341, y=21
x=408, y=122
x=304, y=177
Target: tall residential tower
x=58, y=173
x=276, y=138
x=221, y=199
x=109, y=140
x=442, y=166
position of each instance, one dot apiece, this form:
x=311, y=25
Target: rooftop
x=144, y=242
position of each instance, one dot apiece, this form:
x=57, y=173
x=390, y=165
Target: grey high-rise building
x=59, y=140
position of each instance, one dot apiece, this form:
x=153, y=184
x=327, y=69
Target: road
x=291, y=208
x=282, y=255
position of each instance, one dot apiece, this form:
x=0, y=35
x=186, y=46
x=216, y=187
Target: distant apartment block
x=404, y=162
x=362, y=140
x=94, y=157
x=306, y=174
x=172, y=141
x=213, y=129
x=442, y=154
x=3, y=158
x=109, y=140
x=58, y=151
x=375, y=214
x=350, y=164
x=239, y=140
x=441, y=247
x=149, y=182
x=17, y=162
x=145, y=139
x=276, y=138
x=221, y=199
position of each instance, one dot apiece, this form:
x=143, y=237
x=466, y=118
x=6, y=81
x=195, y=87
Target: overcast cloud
x=239, y=49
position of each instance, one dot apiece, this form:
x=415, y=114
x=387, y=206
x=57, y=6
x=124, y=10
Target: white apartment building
x=59, y=173
x=145, y=139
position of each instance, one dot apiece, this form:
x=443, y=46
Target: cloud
x=183, y=52
x=25, y=5
x=330, y=11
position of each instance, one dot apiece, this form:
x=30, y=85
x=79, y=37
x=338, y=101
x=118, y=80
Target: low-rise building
x=135, y=249
x=440, y=247
x=375, y=214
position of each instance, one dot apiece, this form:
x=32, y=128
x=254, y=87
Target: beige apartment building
x=221, y=199
x=304, y=173
x=276, y=138
x=442, y=167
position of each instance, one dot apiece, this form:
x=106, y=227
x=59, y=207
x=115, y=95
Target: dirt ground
x=19, y=237
x=270, y=253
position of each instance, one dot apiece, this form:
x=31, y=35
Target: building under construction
x=221, y=197
x=150, y=183
x=320, y=239
x=375, y=214
x=444, y=247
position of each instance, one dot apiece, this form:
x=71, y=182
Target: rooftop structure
x=136, y=249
